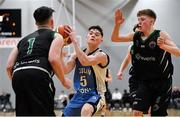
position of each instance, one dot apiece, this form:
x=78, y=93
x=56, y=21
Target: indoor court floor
x=171, y=112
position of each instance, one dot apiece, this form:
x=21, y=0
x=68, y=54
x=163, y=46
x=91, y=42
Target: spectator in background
x=175, y=97
x=116, y=98
x=5, y=101
x=63, y=98
x=126, y=98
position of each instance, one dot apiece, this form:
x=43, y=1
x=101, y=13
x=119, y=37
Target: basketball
x=61, y=30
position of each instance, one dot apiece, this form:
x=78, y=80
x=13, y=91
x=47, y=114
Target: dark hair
x=98, y=28
x=135, y=27
x=42, y=14
x=147, y=12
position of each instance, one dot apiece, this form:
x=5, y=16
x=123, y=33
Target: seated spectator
x=175, y=97
x=5, y=102
x=63, y=98
x=116, y=99
x=126, y=100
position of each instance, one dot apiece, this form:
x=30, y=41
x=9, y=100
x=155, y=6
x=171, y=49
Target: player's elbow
x=9, y=65
x=115, y=38
x=84, y=63
x=8, y=68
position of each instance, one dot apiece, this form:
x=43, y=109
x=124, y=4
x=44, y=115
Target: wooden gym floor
x=171, y=112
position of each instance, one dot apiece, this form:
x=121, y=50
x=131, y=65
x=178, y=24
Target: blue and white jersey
x=89, y=81
x=84, y=78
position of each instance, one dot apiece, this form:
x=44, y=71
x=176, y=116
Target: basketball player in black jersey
x=152, y=64
x=133, y=83
x=32, y=64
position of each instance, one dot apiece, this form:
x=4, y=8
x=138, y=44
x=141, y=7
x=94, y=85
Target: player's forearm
x=172, y=49
x=57, y=67
x=124, y=65
x=115, y=34
x=83, y=58
x=122, y=68
x=65, y=66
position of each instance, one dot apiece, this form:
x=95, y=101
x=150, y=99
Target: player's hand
x=71, y=33
x=119, y=18
x=106, y=79
x=67, y=83
x=120, y=75
x=161, y=39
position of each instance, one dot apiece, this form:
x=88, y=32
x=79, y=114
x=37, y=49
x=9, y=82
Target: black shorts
x=133, y=84
x=108, y=96
x=154, y=94
x=34, y=93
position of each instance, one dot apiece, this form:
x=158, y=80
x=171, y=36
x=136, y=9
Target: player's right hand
x=119, y=75
x=119, y=18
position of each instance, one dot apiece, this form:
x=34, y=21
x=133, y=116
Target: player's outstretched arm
x=116, y=36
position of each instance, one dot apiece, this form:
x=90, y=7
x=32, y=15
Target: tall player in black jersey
x=152, y=64
x=31, y=64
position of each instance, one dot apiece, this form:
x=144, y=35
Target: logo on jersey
x=84, y=71
x=84, y=90
x=140, y=57
x=34, y=61
x=152, y=44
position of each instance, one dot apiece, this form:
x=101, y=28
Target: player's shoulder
x=57, y=35
x=102, y=52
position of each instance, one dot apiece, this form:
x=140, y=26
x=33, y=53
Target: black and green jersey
x=33, y=51
x=148, y=60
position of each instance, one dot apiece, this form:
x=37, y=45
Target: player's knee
x=87, y=110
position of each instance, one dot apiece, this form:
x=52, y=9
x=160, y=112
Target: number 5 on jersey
x=83, y=81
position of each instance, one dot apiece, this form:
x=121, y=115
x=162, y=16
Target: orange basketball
x=60, y=30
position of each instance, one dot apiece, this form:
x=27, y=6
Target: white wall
x=98, y=12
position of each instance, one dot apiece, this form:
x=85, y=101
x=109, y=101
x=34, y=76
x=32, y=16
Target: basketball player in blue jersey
x=90, y=74
x=31, y=64
x=151, y=64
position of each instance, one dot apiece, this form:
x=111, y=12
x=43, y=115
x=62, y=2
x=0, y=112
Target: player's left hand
x=161, y=39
